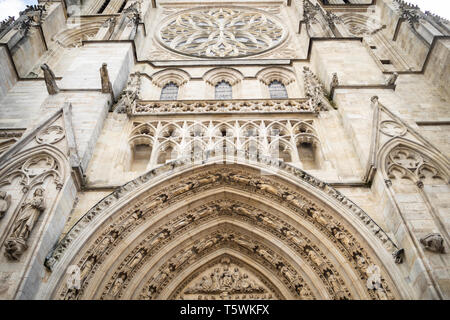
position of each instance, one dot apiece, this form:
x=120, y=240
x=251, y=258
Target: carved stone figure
x=104, y=76
x=334, y=80
x=5, y=202
x=333, y=281
x=207, y=180
x=118, y=284
x=187, y=186
x=392, y=79
x=28, y=215
x=50, y=80
x=293, y=237
x=267, y=187
x=87, y=267
x=157, y=201
x=106, y=242
x=319, y=218
x=245, y=243
x=314, y=257
x=343, y=238
x=433, y=242
x=136, y=259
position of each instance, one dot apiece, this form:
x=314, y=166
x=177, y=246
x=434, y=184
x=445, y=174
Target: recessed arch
x=177, y=76
x=216, y=75
x=283, y=75
x=316, y=205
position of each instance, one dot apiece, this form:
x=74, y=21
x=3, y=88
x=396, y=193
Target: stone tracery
x=282, y=139
x=222, y=32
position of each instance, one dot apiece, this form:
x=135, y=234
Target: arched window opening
x=141, y=157
x=223, y=91
x=308, y=155
x=277, y=90
x=169, y=92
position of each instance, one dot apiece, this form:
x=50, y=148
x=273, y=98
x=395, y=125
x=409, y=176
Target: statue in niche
x=106, y=242
x=333, y=281
x=433, y=242
x=118, y=284
x=106, y=83
x=87, y=267
x=137, y=258
x=50, y=80
x=5, y=202
x=314, y=257
x=28, y=215
x=342, y=237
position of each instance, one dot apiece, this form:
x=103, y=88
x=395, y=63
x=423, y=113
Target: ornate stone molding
x=230, y=75
x=262, y=162
x=267, y=75
x=224, y=106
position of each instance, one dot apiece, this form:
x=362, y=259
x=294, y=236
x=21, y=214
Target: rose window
x=221, y=32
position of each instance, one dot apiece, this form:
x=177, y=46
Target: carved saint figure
x=267, y=187
x=158, y=200
x=314, y=257
x=319, y=218
x=104, y=76
x=293, y=237
x=207, y=180
x=5, y=202
x=188, y=186
x=28, y=215
x=118, y=284
x=109, y=239
x=50, y=80
x=136, y=259
x=87, y=267
x=333, y=281
x=30, y=212
x=343, y=238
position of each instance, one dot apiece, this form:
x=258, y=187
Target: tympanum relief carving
x=226, y=279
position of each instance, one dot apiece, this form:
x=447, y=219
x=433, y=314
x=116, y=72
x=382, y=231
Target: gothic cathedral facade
x=256, y=149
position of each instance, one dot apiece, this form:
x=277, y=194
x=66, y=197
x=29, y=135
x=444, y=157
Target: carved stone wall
x=320, y=171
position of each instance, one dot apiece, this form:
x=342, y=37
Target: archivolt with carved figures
x=144, y=249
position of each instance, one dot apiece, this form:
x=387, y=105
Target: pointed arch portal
x=234, y=229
